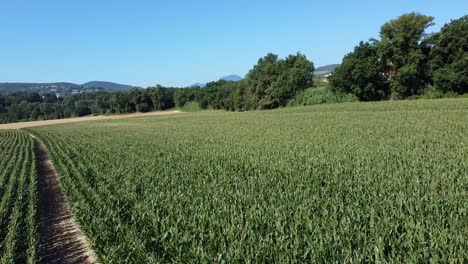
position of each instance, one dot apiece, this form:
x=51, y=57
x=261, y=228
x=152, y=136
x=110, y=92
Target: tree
x=81, y=108
x=34, y=98
x=272, y=82
x=49, y=98
x=3, y=103
x=133, y=97
x=144, y=103
x=238, y=98
x=449, y=57
x=404, y=50
x=297, y=75
x=102, y=103
x=361, y=74
x=161, y=97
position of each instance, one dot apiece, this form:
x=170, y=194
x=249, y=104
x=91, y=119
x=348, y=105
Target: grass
x=350, y=182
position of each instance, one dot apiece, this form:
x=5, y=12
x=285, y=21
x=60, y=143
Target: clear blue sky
x=181, y=42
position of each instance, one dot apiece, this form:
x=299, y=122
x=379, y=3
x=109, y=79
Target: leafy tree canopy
x=449, y=57
x=404, y=50
x=272, y=82
x=361, y=74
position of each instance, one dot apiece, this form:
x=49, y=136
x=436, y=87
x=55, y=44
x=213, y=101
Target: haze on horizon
x=177, y=43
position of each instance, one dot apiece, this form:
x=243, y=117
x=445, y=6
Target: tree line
x=271, y=83
x=405, y=61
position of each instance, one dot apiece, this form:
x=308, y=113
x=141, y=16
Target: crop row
x=363, y=182
x=18, y=203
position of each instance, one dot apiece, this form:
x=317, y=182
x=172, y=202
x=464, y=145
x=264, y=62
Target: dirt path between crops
x=60, y=238
x=81, y=119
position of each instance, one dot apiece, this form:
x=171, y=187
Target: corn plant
x=18, y=216
x=352, y=182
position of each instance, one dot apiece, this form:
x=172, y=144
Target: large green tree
x=272, y=82
x=404, y=50
x=449, y=57
x=361, y=73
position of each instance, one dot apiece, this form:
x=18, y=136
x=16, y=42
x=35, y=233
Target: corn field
x=18, y=203
x=353, y=182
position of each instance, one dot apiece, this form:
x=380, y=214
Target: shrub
x=432, y=92
x=321, y=95
x=191, y=106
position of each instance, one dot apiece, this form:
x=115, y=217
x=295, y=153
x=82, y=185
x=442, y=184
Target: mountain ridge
x=107, y=85
x=229, y=78
x=326, y=69
x=61, y=88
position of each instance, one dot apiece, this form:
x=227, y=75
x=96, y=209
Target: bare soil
x=60, y=238
x=81, y=119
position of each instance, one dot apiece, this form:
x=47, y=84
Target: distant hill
x=324, y=70
x=107, y=86
x=62, y=88
x=232, y=78
x=229, y=78
x=10, y=87
x=198, y=84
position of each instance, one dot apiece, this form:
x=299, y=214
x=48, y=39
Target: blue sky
x=182, y=42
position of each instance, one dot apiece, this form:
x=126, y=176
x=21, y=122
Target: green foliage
x=321, y=95
x=191, y=106
x=432, y=93
x=273, y=82
x=402, y=64
x=18, y=198
x=26, y=106
x=374, y=182
x=215, y=95
x=405, y=52
x=406, y=60
x=81, y=108
x=449, y=57
x=242, y=98
x=361, y=74
x=320, y=80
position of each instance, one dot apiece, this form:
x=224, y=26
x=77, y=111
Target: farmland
x=18, y=198
x=354, y=181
